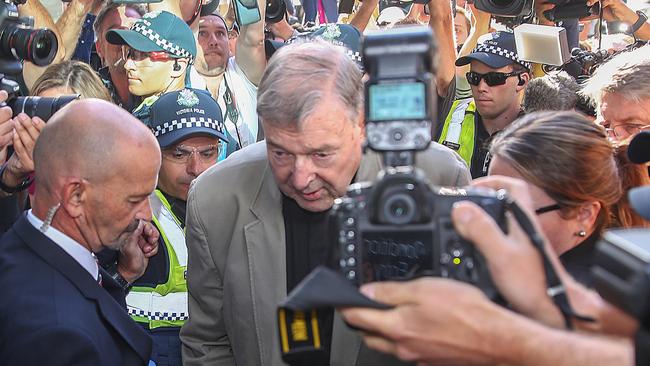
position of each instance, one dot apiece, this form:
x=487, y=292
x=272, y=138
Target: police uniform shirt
x=157, y=270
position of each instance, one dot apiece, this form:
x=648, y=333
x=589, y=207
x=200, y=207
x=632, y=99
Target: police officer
x=189, y=127
x=497, y=77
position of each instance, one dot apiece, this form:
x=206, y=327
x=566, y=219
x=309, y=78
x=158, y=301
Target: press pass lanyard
x=231, y=109
x=555, y=289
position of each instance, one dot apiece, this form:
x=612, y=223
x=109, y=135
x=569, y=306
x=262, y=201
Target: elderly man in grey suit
x=256, y=222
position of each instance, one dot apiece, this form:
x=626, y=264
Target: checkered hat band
x=158, y=315
x=496, y=50
x=186, y=123
x=158, y=40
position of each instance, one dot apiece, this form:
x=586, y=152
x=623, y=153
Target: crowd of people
x=161, y=217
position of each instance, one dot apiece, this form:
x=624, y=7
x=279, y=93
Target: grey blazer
x=236, y=268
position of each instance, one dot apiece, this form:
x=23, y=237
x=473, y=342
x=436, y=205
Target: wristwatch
x=639, y=23
x=20, y=187
x=117, y=277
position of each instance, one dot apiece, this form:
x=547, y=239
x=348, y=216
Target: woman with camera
x=577, y=179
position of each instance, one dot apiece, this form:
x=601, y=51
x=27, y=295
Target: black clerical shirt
x=306, y=248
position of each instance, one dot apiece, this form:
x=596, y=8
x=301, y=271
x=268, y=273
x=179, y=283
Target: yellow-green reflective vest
x=459, y=130
x=166, y=304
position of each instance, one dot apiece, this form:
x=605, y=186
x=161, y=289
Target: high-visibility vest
x=459, y=130
x=166, y=304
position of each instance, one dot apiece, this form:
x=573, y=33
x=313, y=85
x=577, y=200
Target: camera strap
x=555, y=288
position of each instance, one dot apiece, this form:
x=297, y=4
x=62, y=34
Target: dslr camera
x=19, y=42
x=399, y=226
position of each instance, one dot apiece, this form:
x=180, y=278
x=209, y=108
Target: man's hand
x=21, y=163
x=135, y=254
x=434, y=320
x=615, y=10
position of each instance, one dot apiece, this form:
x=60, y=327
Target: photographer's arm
x=470, y=329
x=441, y=22
x=364, y=13
x=250, y=53
x=481, y=26
x=70, y=23
x=42, y=19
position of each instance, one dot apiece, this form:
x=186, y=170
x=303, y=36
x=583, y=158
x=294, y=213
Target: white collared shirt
x=77, y=251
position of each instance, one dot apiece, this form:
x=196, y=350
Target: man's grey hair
x=300, y=75
x=626, y=74
x=556, y=91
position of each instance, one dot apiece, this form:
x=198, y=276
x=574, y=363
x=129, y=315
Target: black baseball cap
x=497, y=49
x=186, y=113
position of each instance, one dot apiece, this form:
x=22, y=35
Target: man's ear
x=178, y=67
x=74, y=195
x=524, y=78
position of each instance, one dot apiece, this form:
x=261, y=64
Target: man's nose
x=194, y=166
x=144, y=212
x=303, y=173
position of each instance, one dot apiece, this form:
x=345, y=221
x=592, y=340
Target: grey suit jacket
x=237, y=259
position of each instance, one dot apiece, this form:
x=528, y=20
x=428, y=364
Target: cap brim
x=640, y=201
x=490, y=59
x=132, y=38
x=638, y=150
x=176, y=136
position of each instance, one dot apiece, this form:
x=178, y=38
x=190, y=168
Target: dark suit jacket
x=53, y=313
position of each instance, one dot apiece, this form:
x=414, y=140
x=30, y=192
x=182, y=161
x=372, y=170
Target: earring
x=581, y=233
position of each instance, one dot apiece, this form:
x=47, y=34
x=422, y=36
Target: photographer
x=265, y=229
x=471, y=329
x=620, y=90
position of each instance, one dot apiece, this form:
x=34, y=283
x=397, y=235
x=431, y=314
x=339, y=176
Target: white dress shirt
x=77, y=251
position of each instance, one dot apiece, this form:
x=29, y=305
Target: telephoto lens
x=41, y=107
x=38, y=46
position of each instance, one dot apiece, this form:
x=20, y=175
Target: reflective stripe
x=153, y=306
x=456, y=123
x=170, y=227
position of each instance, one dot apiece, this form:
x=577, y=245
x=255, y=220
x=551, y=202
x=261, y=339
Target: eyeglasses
x=492, y=78
x=549, y=208
x=625, y=129
x=182, y=154
x=129, y=53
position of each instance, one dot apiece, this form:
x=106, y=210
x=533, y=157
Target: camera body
x=622, y=271
x=399, y=226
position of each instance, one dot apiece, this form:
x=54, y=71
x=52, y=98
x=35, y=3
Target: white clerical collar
x=77, y=251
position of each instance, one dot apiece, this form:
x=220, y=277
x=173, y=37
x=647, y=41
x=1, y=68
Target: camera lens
x=37, y=46
x=275, y=11
x=40, y=107
x=399, y=209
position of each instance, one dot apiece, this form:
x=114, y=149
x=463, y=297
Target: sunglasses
x=492, y=78
x=129, y=53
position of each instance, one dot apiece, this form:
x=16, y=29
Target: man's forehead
x=212, y=21
x=478, y=65
x=616, y=108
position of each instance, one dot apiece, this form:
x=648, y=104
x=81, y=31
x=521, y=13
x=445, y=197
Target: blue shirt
x=86, y=40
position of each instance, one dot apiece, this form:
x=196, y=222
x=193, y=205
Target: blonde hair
x=74, y=75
